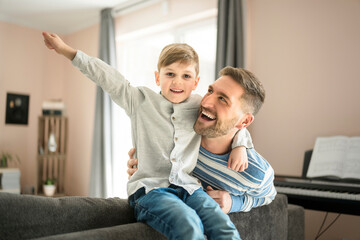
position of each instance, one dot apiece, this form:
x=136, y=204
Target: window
x=138, y=53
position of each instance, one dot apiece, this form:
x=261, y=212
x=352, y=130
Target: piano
x=320, y=194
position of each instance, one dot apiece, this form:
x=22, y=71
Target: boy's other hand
x=54, y=42
x=238, y=159
x=132, y=163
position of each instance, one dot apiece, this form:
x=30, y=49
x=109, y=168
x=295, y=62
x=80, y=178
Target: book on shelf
x=53, y=107
x=336, y=157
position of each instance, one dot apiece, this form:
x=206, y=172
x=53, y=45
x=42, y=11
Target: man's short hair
x=178, y=52
x=254, y=94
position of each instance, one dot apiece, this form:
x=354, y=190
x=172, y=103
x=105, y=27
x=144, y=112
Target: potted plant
x=7, y=157
x=49, y=187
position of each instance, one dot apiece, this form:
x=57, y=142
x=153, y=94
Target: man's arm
x=252, y=199
x=243, y=203
x=249, y=189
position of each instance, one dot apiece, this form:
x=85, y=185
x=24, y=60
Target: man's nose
x=208, y=101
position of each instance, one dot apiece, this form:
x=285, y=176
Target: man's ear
x=196, y=83
x=157, y=78
x=245, y=121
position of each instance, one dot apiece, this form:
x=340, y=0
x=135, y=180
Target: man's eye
x=210, y=91
x=222, y=99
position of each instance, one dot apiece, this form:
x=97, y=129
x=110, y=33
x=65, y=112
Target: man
x=229, y=106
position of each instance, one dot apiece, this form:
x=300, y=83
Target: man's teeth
x=208, y=115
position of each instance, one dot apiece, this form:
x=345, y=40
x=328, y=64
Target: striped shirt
x=251, y=188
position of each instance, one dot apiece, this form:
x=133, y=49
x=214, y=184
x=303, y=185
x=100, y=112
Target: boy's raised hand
x=238, y=159
x=54, y=42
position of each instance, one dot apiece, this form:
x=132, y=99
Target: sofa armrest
x=296, y=222
x=266, y=222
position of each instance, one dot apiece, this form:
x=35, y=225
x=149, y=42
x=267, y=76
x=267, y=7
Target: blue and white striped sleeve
x=256, y=197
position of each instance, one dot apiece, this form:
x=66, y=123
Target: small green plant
x=50, y=181
x=7, y=157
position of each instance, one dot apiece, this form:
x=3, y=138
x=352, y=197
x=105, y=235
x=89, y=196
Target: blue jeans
x=179, y=215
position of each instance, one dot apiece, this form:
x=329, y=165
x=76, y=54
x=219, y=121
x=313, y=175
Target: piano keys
x=330, y=196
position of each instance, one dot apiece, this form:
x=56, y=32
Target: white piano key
x=317, y=193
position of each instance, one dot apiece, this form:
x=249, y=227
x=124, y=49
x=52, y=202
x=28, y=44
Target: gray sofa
x=32, y=217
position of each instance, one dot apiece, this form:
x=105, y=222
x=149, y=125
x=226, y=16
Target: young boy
x=162, y=191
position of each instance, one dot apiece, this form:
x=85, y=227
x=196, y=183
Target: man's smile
x=207, y=116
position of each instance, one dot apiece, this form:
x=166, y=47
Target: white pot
x=49, y=190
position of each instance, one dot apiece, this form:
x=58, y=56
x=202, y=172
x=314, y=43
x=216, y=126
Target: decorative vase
x=52, y=143
x=49, y=190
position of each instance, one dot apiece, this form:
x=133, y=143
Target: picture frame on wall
x=17, y=108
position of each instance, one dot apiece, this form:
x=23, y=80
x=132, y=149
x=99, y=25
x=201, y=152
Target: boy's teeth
x=208, y=115
x=176, y=90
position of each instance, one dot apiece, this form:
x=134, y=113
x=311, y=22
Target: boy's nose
x=176, y=80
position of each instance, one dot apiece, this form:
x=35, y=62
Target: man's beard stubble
x=219, y=129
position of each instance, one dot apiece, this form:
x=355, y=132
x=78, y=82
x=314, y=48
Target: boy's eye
x=170, y=74
x=187, y=76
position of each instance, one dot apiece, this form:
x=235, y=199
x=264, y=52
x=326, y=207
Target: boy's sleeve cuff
x=77, y=59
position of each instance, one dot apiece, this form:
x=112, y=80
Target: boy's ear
x=196, y=83
x=245, y=121
x=157, y=78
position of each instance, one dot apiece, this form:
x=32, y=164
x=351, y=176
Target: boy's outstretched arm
x=53, y=41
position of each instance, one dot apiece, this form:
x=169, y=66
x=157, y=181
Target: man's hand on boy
x=132, y=163
x=223, y=198
x=238, y=160
x=54, y=42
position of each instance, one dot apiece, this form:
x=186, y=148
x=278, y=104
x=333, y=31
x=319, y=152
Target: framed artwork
x=17, y=108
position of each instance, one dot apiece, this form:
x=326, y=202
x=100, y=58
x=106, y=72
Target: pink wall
x=27, y=67
x=307, y=55
x=24, y=69
x=79, y=95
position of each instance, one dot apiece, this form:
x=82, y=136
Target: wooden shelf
x=51, y=164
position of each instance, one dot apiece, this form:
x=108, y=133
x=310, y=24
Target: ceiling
x=60, y=16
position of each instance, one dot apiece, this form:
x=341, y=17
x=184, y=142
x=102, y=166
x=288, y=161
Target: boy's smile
x=177, y=81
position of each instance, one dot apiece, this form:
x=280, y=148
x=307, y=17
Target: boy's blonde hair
x=178, y=52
